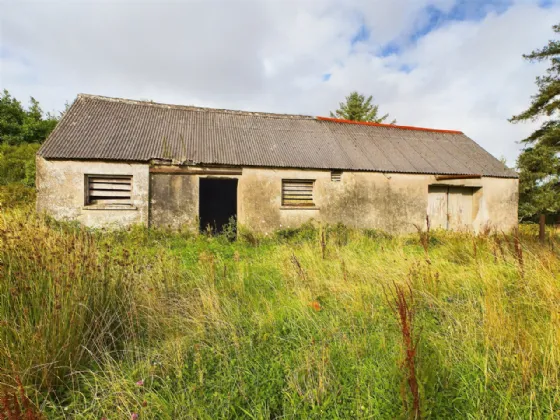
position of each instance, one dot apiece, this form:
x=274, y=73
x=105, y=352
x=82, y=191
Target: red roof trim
x=402, y=127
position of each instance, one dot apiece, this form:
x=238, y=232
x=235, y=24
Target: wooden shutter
x=114, y=189
x=297, y=192
x=336, y=176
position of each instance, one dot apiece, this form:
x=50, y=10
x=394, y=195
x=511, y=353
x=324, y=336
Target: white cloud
x=271, y=55
x=396, y=19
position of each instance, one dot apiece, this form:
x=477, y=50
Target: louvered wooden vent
x=114, y=189
x=336, y=176
x=297, y=192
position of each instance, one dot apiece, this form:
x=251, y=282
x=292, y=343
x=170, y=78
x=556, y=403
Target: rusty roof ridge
x=193, y=107
x=400, y=127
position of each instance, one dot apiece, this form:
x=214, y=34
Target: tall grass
x=67, y=298
x=168, y=325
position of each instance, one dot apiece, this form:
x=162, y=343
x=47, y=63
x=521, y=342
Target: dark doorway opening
x=217, y=204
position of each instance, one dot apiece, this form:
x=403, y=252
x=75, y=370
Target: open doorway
x=217, y=204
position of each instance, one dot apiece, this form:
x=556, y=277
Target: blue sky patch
x=463, y=10
x=326, y=77
x=4, y=53
x=406, y=68
x=434, y=18
x=361, y=35
x=389, y=49
x=545, y=4
x=478, y=9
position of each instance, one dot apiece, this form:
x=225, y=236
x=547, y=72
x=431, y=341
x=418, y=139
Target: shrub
x=17, y=164
x=16, y=195
x=338, y=233
x=376, y=234
x=306, y=232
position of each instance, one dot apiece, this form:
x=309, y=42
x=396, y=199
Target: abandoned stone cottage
x=116, y=162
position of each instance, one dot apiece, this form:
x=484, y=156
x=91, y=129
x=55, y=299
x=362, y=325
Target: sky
x=449, y=64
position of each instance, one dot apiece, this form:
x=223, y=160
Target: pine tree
x=539, y=162
x=359, y=108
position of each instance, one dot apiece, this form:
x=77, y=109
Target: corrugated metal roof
x=99, y=128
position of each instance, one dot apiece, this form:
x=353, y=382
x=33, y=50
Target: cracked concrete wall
x=61, y=192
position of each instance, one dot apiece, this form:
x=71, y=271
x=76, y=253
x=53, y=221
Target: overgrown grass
x=17, y=174
x=295, y=325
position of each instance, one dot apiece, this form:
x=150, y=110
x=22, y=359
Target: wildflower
x=140, y=382
x=134, y=416
x=315, y=305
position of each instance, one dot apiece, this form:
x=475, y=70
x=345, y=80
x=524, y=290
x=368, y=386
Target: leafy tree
x=17, y=164
x=539, y=162
x=19, y=125
x=12, y=116
x=21, y=132
x=359, y=108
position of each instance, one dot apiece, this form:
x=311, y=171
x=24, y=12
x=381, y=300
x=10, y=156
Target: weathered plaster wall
x=495, y=201
x=174, y=201
x=391, y=202
x=61, y=192
x=364, y=200
x=498, y=204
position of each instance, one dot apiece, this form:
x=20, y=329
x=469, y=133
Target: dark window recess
x=217, y=204
x=336, y=176
x=297, y=192
x=114, y=189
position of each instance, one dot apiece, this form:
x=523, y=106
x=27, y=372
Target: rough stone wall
x=61, y=192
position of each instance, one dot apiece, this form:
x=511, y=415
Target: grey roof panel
x=99, y=128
